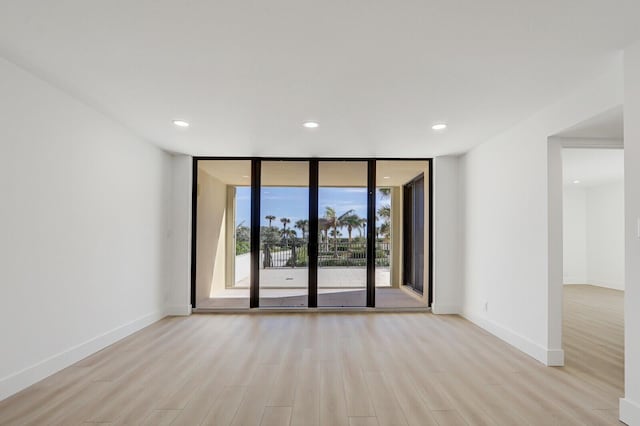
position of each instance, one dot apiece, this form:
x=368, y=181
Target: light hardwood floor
x=330, y=369
x=593, y=337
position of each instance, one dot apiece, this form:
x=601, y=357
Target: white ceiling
x=592, y=166
x=375, y=74
x=608, y=125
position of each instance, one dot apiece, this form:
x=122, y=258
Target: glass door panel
x=342, y=239
x=400, y=219
x=284, y=216
x=223, y=240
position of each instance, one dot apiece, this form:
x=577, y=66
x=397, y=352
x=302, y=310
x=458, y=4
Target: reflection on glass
x=284, y=212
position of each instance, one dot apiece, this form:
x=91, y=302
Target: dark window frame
x=254, y=295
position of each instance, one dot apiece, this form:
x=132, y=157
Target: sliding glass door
x=401, y=233
x=284, y=229
x=342, y=239
x=311, y=233
x=223, y=244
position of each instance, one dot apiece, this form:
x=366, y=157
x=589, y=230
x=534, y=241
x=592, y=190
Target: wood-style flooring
x=333, y=369
x=593, y=337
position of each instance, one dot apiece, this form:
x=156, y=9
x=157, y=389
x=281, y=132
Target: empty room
x=593, y=249
x=330, y=213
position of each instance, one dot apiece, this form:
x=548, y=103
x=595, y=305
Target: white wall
x=574, y=231
x=605, y=235
x=630, y=405
x=593, y=235
x=83, y=223
x=505, y=210
x=447, y=291
x=178, y=292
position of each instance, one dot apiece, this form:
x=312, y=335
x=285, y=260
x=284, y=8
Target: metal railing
x=331, y=253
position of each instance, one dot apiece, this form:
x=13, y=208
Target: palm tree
x=385, y=229
x=323, y=229
x=385, y=193
x=291, y=235
x=350, y=222
x=363, y=227
x=323, y=226
x=385, y=213
x=335, y=233
x=284, y=221
x=269, y=238
x=302, y=225
x=330, y=221
x=270, y=218
x=333, y=222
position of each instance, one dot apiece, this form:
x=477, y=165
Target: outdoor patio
x=273, y=298
x=288, y=287
x=336, y=278
x=290, y=278
x=285, y=286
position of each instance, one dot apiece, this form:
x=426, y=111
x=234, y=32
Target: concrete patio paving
x=288, y=287
x=328, y=277
x=385, y=298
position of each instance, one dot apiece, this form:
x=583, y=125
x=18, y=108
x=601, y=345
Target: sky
x=293, y=202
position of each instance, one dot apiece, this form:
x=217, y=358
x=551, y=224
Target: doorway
x=311, y=233
x=586, y=320
x=593, y=266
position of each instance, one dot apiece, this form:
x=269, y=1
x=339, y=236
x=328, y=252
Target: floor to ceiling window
x=284, y=226
x=223, y=243
x=342, y=222
x=401, y=233
x=326, y=233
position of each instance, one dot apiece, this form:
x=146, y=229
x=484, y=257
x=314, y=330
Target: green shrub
x=342, y=262
x=382, y=253
x=242, y=247
x=382, y=262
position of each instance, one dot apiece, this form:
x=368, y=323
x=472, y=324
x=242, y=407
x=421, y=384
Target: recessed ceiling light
x=311, y=124
x=245, y=176
x=386, y=177
x=576, y=181
x=180, y=123
x=439, y=126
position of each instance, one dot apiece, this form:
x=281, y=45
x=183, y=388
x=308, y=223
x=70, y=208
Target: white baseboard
x=574, y=280
x=555, y=358
x=609, y=284
x=612, y=286
x=16, y=382
x=444, y=309
x=629, y=412
x=549, y=357
x=178, y=311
